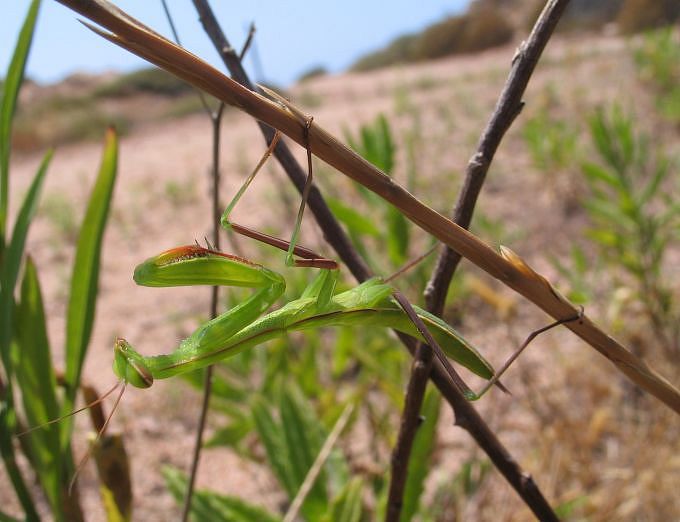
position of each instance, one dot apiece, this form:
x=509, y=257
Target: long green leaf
x=8, y=99
x=419, y=461
x=85, y=278
x=347, y=506
x=8, y=278
x=303, y=436
x=10, y=93
x=270, y=436
x=35, y=377
x=12, y=260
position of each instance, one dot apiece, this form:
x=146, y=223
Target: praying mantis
x=369, y=304
x=373, y=303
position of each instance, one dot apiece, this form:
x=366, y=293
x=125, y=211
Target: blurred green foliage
x=658, y=61
x=635, y=218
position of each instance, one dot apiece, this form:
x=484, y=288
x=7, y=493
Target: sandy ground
x=161, y=200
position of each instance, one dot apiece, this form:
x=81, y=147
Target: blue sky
x=291, y=38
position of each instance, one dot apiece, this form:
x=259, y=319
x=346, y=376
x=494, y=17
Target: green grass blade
x=355, y=221
x=8, y=276
x=348, y=506
x=398, y=237
x=386, y=145
x=35, y=377
x=12, y=261
x=419, y=461
x=7, y=425
x=8, y=99
x=10, y=93
x=208, y=506
x=85, y=279
x=231, y=435
x=269, y=433
x=303, y=438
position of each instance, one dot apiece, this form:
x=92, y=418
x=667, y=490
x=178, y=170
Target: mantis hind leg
x=495, y=380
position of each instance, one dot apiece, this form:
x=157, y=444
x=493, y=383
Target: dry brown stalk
x=507, y=266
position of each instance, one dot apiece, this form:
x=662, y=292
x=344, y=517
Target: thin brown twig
x=249, y=40
x=216, y=121
x=317, y=465
x=408, y=426
x=507, y=108
x=175, y=35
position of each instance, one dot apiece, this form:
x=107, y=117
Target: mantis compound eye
x=129, y=366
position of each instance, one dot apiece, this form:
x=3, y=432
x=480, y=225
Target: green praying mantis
x=369, y=304
x=374, y=303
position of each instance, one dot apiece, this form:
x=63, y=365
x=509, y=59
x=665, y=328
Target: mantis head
x=129, y=366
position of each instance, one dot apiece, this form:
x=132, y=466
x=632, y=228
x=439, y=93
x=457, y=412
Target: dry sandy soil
x=161, y=200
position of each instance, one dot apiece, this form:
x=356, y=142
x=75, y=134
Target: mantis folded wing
x=244, y=326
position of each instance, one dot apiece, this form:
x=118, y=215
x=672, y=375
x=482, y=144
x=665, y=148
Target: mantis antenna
x=89, y=405
x=100, y=432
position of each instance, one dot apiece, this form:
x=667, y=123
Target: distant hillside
x=82, y=106
x=489, y=23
